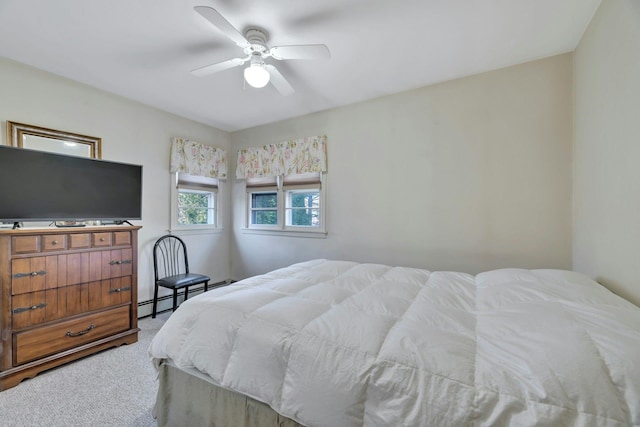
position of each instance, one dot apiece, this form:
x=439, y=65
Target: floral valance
x=296, y=156
x=198, y=159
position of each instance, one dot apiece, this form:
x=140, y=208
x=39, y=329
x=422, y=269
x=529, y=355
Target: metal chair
x=171, y=266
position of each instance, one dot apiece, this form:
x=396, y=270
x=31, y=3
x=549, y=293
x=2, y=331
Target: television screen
x=42, y=186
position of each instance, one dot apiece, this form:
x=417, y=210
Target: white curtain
x=193, y=158
x=296, y=156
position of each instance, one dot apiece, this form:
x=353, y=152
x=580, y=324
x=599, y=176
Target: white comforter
x=334, y=343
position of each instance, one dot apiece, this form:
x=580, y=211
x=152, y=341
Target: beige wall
x=606, y=231
x=131, y=133
x=469, y=175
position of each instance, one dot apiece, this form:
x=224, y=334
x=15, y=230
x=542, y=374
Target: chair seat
x=182, y=280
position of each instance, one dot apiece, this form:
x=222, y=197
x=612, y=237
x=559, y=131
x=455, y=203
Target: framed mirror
x=55, y=141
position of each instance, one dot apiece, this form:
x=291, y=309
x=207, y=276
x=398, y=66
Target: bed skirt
x=188, y=398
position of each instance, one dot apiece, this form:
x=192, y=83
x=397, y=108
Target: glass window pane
x=194, y=199
x=264, y=200
x=305, y=217
x=193, y=216
x=309, y=199
x=265, y=217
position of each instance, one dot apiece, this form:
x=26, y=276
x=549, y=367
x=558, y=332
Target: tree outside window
x=264, y=208
x=303, y=209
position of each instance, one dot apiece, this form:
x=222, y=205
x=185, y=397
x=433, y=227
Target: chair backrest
x=170, y=257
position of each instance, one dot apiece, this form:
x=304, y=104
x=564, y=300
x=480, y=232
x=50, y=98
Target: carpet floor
x=116, y=387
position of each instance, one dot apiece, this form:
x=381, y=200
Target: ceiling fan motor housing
x=257, y=37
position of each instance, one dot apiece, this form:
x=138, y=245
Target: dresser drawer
x=122, y=238
x=56, y=242
x=46, y=340
x=80, y=241
x=33, y=308
x=101, y=240
x=25, y=244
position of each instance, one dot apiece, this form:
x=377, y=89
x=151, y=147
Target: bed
x=337, y=343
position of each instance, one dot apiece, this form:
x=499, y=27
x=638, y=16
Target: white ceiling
x=144, y=49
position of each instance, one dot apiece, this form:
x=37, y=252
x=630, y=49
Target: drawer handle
x=77, y=334
x=33, y=273
x=126, y=261
x=55, y=242
x=102, y=239
x=33, y=307
x=111, y=291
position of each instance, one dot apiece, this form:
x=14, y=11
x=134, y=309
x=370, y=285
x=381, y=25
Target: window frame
x=282, y=190
x=176, y=187
x=264, y=190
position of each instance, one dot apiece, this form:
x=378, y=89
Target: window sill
x=195, y=230
x=309, y=234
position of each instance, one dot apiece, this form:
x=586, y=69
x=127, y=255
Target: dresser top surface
x=68, y=230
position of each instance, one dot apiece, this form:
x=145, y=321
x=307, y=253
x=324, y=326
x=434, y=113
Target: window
x=286, y=203
x=194, y=202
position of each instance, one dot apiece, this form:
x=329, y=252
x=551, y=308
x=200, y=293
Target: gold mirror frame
x=38, y=138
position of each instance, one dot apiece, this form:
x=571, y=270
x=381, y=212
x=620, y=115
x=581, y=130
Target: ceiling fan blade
x=220, y=66
x=218, y=21
x=279, y=82
x=301, y=51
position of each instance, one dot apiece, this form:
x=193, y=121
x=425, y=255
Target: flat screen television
x=43, y=186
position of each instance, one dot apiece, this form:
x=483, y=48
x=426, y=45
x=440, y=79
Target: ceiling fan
x=254, y=44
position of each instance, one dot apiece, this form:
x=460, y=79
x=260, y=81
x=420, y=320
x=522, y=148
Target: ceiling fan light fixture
x=257, y=75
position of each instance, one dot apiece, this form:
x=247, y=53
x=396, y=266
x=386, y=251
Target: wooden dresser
x=65, y=293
